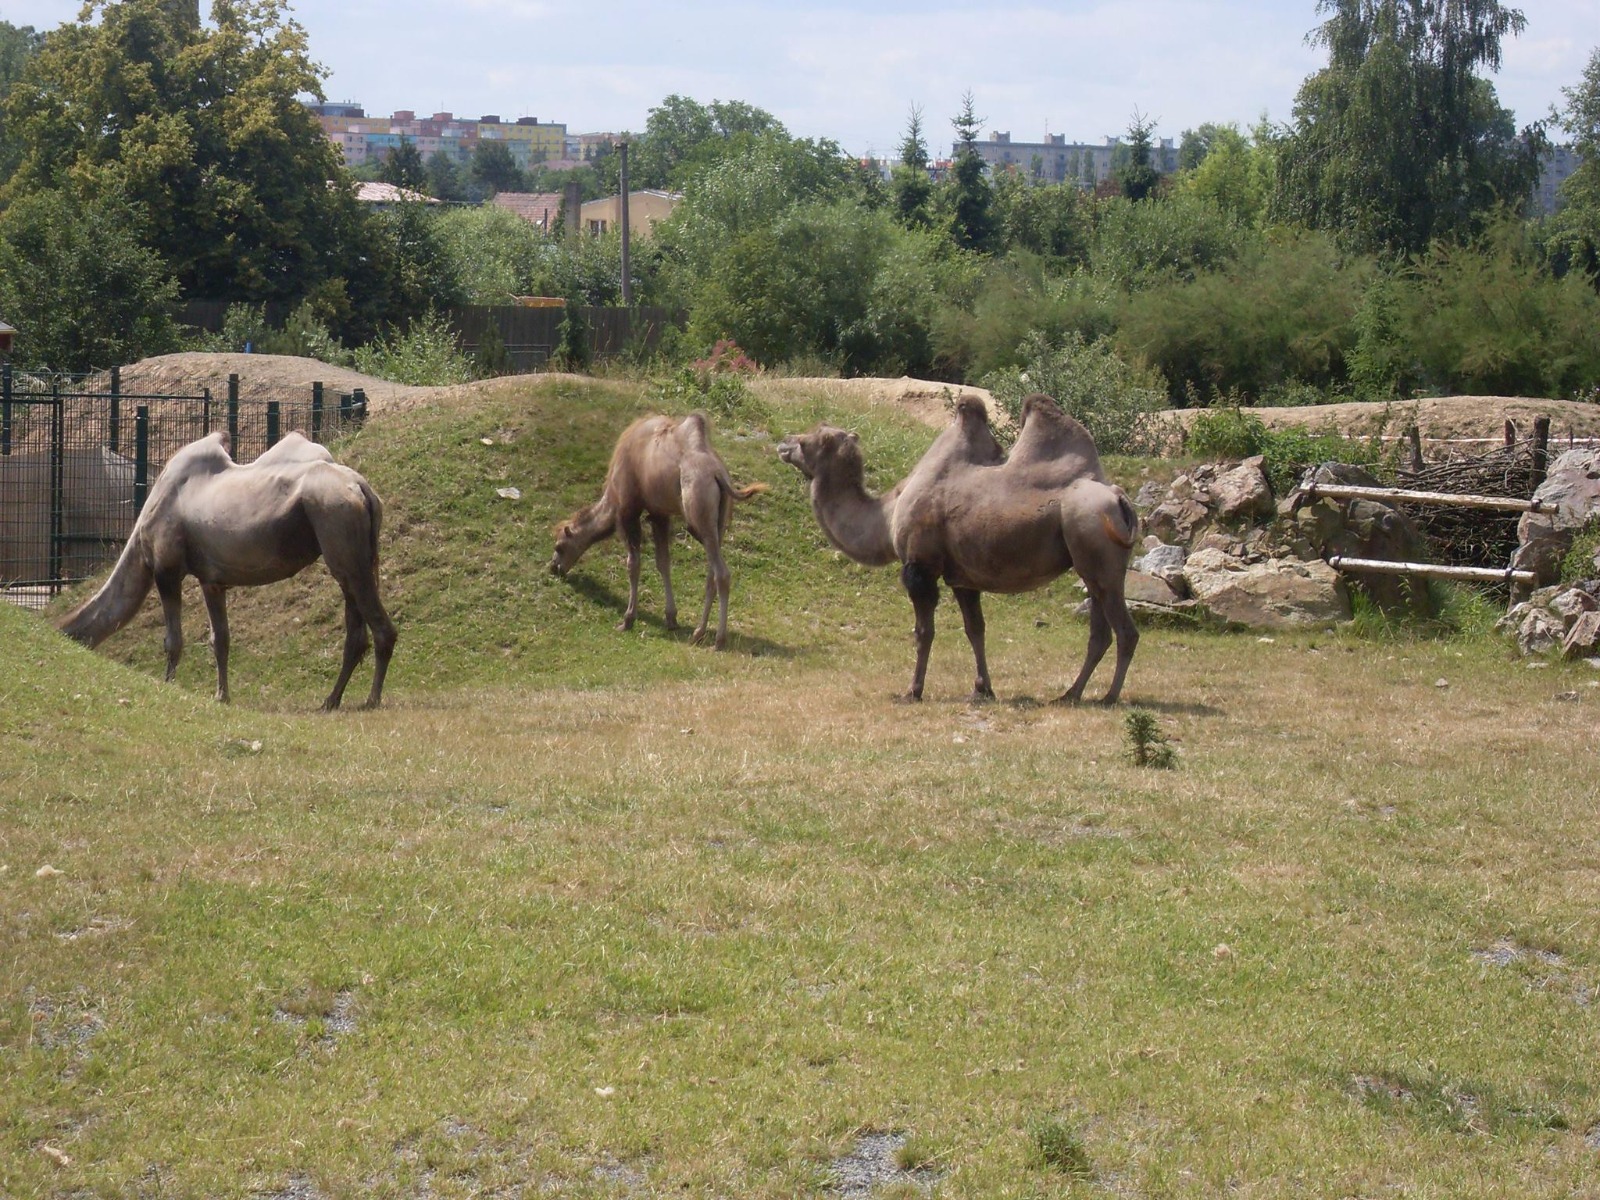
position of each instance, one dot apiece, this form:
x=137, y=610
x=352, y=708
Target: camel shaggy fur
x=242, y=526
x=661, y=469
x=984, y=522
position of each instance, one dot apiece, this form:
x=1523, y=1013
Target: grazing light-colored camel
x=985, y=524
x=660, y=469
x=241, y=526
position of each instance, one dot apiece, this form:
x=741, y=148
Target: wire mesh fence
x=76, y=466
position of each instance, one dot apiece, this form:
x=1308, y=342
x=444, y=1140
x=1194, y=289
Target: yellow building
x=644, y=210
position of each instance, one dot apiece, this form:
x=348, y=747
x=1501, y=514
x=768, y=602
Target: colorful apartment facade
x=362, y=138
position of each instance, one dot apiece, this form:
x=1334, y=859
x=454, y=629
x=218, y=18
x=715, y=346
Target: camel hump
x=695, y=429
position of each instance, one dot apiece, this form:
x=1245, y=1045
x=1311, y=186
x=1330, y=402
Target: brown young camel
x=985, y=525
x=660, y=469
x=242, y=526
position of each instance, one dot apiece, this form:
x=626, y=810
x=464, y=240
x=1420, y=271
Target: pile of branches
x=1473, y=537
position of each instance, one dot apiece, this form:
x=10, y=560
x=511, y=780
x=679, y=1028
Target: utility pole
x=622, y=189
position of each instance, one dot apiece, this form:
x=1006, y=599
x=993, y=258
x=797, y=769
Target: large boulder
x=1364, y=529
x=1569, y=498
x=1273, y=593
x=1243, y=494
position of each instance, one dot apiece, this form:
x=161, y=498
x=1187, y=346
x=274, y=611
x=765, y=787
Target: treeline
x=1379, y=244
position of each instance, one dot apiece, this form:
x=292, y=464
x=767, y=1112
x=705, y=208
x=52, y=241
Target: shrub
x=1089, y=381
x=1147, y=745
x=426, y=354
x=1286, y=453
x=1056, y=1146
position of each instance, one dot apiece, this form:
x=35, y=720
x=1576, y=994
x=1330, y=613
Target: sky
x=853, y=72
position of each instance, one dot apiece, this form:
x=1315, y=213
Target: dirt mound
x=261, y=376
x=1465, y=420
x=927, y=400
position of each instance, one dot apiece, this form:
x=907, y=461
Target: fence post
x=58, y=499
x=272, y=423
x=1541, y=449
x=1415, y=436
x=316, y=411
x=344, y=408
x=205, y=411
x=233, y=415
x=358, y=402
x=141, y=458
x=5, y=408
x=115, y=433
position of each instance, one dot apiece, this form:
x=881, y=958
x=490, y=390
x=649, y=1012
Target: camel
x=242, y=526
x=661, y=469
x=982, y=522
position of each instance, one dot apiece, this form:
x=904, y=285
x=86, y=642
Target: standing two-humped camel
x=661, y=469
x=983, y=522
x=241, y=526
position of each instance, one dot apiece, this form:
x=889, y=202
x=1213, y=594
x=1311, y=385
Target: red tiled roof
x=541, y=208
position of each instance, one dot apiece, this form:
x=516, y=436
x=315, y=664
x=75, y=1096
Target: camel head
x=569, y=549
x=807, y=452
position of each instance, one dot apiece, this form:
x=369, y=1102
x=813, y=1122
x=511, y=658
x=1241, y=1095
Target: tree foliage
x=969, y=197
x=200, y=130
x=403, y=167
x=1397, y=141
x=1137, y=176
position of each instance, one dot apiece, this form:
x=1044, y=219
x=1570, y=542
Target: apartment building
x=362, y=138
x=1055, y=160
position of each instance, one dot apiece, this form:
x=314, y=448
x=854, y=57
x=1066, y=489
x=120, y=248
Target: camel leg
x=170, y=588
x=718, y=582
x=923, y=588
x=355, y=649
x=971, y=603
x=634, y=536
x=1116, y=607
x=661, y=535
x=1099, y=640
x=217, y=610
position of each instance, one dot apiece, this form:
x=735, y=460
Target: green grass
x=597, y=914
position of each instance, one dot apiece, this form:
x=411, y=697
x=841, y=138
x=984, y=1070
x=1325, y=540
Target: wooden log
x=1406, y=496
x=1381, y=566
x=1541, y=449
x=1415, y=436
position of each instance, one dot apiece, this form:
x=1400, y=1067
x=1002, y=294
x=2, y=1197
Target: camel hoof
x=909, y=698
x=1068, y=698
x=670, y=624
x=698, y=637
x=624, y=625
x=981, y=696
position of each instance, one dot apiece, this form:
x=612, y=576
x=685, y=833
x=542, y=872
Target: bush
x=425, y=355
x=1231, y=433
x=1089, y=381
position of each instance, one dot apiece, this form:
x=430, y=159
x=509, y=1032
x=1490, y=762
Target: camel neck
x=595, y=523
x=856, y=522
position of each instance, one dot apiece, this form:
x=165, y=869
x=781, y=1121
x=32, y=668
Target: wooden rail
x=1383, y=566
x=1403, y=496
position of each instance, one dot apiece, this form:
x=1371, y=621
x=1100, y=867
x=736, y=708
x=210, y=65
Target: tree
x=17, y=45
x=972, y=201
x=679, y=128
x=910, y=183
x=404, y=167
x=199, y=131
x=1138, y=175
x=1397, y=141
x=1577, y=225
x=495, y=169
x=79, y=283
x=446, y=179
x=1232, y=174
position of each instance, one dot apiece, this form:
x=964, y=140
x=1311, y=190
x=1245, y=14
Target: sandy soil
x=1453, y=418
x=1463, y=419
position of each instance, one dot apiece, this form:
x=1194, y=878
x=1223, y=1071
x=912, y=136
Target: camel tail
x=374, y=518
x=1130, y=520
x=744, y=493
x=117, y=600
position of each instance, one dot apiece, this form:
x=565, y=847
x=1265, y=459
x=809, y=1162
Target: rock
x=1540, y=632
x=1150, y=495
x=1243, y=494
x=1570, y=604
x=1143, y=588
x=1365, y=529
x=1165, y=563
x=1571, y=493
x=1273, y=594
x=1584, y=636
x=1177, y=519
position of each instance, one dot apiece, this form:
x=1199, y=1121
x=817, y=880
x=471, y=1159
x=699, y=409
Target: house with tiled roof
x=537, y=208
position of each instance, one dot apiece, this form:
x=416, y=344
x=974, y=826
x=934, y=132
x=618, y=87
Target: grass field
x=592, y=914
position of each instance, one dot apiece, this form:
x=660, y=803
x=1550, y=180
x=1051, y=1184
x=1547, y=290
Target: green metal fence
x=76, y=465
